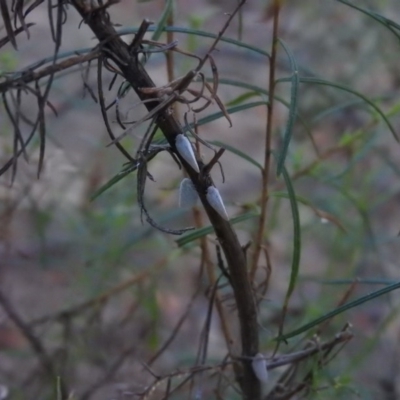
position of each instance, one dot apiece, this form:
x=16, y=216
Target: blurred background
x=102, y=292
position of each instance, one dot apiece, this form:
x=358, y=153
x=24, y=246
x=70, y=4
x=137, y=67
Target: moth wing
x=259, y=365
x=188, y=196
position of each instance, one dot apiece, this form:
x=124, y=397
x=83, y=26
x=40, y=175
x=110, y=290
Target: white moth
x=187, y=194
x=185, y=149
x=259, y=365
x=215, y=201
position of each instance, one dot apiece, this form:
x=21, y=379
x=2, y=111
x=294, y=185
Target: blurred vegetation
x=116, y=304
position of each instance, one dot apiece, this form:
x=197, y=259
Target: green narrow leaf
x=337, y=108
x=287, y=136
x=285, y=195
x=387, y=23
x=294, y=273
x=231, y=110
x=159, y=28
x=394, y=110
x=238, y=152
x=150, y=304
x=196, y=32
x=367, y=147
x=198, y=233
x=319, y=213
x=257, y=89
x=243, y=85
x=115, y=179
x=163, y=20
x=338, y=311
x=359, y=281
x=241, y=98
x=351, y=103
x=318, y=81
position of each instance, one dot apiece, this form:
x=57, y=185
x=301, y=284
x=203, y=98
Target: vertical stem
x=268, y=134
x=225, y=326
x=135, y=73
x=205, y=251
x=170, y=54
x=240, y=26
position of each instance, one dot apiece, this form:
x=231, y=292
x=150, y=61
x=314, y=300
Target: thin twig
x=177, y=327
x=31, y=76
x=206, y=260
x=34, y=341
x=109, y=373
x=104, y=112
x=268, y=141
x=170, y=56
x=213, y=161
x=80, y=308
